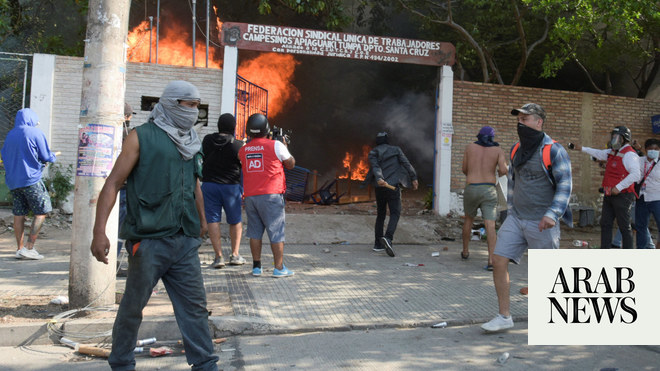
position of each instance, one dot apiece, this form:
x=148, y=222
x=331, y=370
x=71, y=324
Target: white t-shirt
x=281, y=151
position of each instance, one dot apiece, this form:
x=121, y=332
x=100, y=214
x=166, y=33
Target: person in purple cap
x=480, y=161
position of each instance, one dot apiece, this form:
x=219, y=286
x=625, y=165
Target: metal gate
x=250, y=98
x=14, y=76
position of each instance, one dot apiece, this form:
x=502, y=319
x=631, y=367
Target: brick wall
x=583, y=118
x=141, y=79
x=572, y=116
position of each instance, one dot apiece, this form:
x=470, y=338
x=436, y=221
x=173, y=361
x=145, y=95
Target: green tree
x=331, y=12
x=496, y=39
x=606, y=39
x=43, y=26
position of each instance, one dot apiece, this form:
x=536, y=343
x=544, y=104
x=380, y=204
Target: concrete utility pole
x=101, y=117
x=444, y=130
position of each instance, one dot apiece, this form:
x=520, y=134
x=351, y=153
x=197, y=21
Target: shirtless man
x=480, y=161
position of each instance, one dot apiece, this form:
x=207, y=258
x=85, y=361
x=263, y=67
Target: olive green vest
x=160, y=191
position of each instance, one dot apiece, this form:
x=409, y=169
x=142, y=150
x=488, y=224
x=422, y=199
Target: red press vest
x=615, y=172
x=263, y=172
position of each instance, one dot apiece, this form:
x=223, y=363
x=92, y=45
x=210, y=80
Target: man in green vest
x=164, y=221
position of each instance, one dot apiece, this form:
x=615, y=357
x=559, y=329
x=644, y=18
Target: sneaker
x=219, y=262
x=498, y=323
x=18, y=253
x=236, y=260
x=284, y=272
x=30, y=254
x=378, y=248
x=256, y=271
x=388, y=246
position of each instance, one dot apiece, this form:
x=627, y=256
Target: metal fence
x=14, y=76
x=250, y=98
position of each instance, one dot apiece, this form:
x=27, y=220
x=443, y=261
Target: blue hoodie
x=25, y=151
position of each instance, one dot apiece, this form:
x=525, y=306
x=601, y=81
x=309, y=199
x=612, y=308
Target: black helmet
x=257, y=126
x=624, y=132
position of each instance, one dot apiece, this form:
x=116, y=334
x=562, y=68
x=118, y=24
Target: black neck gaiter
x=529, y=142
x=486, y=141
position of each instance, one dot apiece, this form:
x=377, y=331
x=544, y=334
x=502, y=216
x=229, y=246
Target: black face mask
x=529, y=141
x=525, y=133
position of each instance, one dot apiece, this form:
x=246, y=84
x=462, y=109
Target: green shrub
x=428, y=199
x=59, y=183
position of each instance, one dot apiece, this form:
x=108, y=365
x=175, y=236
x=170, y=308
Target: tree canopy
x=43, y=26
x=504, y=42
x=604, y=38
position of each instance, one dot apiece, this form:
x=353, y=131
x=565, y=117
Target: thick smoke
x=343, y=103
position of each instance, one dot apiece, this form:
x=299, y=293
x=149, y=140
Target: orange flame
x=360, y=170
x=273, y=72
x=173, y=47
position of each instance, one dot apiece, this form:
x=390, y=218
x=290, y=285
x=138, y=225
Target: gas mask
x=616, y=142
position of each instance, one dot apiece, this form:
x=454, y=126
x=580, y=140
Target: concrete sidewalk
x=340, y=283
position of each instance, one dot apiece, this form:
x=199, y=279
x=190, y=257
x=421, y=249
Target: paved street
x=346, y=307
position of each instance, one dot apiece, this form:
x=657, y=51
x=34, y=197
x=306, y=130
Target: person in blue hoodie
x=24, y=155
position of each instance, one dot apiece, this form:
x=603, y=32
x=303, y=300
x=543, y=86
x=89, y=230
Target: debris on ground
x=503, y=358
x=160, y=351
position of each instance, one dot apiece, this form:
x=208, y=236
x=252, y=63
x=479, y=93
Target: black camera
x=283, y=135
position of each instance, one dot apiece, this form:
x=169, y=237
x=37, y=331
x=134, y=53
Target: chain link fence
x=14, y=81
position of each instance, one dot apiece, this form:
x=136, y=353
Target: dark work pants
x=387, y=198
x=617, y=207
x=175, y=261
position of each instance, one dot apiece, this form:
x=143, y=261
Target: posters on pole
x=95, y=150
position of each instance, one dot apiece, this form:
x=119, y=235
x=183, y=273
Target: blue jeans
x=174, y=260
x=643, y=211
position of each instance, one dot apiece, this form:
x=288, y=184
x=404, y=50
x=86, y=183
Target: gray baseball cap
x=530, y=109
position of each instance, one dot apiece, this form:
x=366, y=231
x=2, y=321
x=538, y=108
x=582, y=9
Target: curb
x=166, y=329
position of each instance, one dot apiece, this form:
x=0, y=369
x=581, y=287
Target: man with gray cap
x=539, y=188
x=221, y=186
x=481, y=160
x=161, y=165
x=389, y=171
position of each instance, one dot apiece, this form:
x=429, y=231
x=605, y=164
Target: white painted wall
x=57, y=86
x=41, y=97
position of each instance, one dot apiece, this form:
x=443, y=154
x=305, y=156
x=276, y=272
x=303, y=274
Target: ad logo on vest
x=593, y=297
x=255, y=162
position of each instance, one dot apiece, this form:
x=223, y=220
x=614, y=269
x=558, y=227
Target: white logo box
x=574, y=315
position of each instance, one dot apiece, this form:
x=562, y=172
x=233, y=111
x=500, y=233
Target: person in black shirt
x=221, y=177
x=389, y=171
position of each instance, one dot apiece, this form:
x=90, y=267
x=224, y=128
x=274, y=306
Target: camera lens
x=571, y=146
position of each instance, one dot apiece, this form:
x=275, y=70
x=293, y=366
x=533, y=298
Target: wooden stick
x=93, y=351
x=389, y=186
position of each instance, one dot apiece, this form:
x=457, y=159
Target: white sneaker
x=19, y=253
x=30, y=254
x=498, y=323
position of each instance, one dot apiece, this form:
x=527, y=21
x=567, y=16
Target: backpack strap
x=546, y=156
x=514, y=150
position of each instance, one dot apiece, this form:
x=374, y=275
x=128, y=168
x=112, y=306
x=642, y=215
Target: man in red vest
x=621, y=173
x=263, y=161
